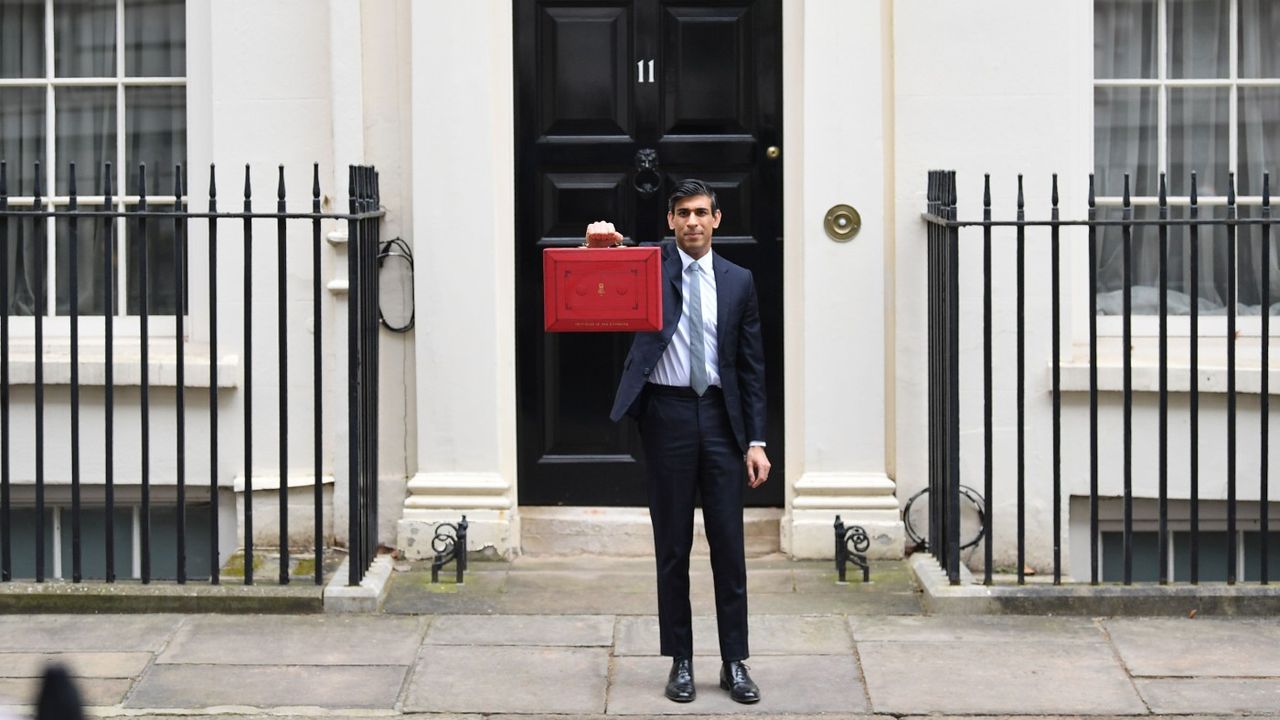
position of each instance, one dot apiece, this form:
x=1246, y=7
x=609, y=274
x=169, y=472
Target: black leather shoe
x=680, y=681
x=734, y=678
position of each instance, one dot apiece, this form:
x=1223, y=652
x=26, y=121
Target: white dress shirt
x=673, y=366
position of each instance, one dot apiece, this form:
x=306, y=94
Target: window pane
x=1146, y=557
x=1124, y=38
x=155, y=134
x=1198, y=119
x=155, y=38
x=22, y=138
x=22, y=38
x=86, y=135
x=93, y=528
x=1197, y=42
x=24, y=542
x=1213, y=556
x=164, y=542
x=1210, y=270
x=1124, y=139
x=1253, y=556
x=1259, y=28
x=1258, y=142
x=22, y=145
x=91, y=255
x=162, y=267
x=1251, y=268
x=84, y=38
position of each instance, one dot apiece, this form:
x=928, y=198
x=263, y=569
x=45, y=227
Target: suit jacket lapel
x=674, y=301
x=721, y=272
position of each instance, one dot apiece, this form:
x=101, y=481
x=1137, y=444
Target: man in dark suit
x=696, y=388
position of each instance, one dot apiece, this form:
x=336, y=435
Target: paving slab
x=1003, y=677
x=93, y=691
x=699, y=715
x=295, y=640
x=1253, y=696
x=768, y=635
x=68, y=633
x=1204, y=647
x=759, y=580
x=788, y=684
x=78, y=665
x=208, y=686
x=580, y=581
x=556, y=630
x=836, y=603
x=551, y=680
x=576, y=603
x=942, y=628
x=464, y=602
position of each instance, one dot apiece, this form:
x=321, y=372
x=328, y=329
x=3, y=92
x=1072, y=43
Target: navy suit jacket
x=738, y=340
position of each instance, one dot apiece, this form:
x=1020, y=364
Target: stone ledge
x=970, y=598
x=131, y=596
x=367, y=597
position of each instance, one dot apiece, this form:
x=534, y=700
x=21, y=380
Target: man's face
x=693, y=223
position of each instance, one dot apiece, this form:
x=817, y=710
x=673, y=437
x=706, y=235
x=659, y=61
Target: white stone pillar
x=837, y=129
x=464, y=208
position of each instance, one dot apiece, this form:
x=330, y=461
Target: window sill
x=1212, y=368
x=126, y=363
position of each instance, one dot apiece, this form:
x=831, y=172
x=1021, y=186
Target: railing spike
x=36, y=190
x=280, y=185
x=1266, y=188
x=1021, y=201
x=315, y=180
x=1093, y=201
x=1231, y=189
x=1164, y=194
x=1055, y=190
x=71, y=181
x=142, y=181
x=1195, y=194
x=1127, y=200
x=177, y=183
x=213, y=182
x=106, y=179
x=248, y=191
x=4, y=178
x=986, y=191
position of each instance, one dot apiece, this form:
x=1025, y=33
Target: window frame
x=125, y=325
x=1210, y=327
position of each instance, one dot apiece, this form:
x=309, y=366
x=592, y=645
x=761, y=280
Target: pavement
x=577, y=638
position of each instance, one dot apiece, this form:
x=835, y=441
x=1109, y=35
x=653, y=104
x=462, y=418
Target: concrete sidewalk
x=556, y=638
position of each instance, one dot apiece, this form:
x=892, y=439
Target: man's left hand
x=757, y=466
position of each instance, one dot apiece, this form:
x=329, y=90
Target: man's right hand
x=602, y=234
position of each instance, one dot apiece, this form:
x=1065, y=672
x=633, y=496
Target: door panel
x=585, y=98
x=707, y=70
x=585, y=105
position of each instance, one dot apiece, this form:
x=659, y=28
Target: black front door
x=615, y=102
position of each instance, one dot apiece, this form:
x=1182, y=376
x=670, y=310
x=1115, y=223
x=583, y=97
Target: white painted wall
x=993, y=87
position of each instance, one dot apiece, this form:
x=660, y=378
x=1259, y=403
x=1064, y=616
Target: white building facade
x=874, y=94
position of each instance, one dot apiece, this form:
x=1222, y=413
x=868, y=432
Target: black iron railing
x=31, y=216
x=945, y=245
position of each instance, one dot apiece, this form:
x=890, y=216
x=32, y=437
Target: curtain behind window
x=1197, y=132
x=22, y=140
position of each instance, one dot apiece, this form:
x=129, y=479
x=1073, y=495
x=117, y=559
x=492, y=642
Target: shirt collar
x=686, y=261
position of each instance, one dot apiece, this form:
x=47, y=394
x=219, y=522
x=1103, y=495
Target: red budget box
x=602, y=289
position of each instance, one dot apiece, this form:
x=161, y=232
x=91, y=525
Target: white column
x=837, y=120
x=463, y=201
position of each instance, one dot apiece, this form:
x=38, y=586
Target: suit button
x=646, y=371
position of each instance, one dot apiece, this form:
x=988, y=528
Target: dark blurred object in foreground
x=59, y=699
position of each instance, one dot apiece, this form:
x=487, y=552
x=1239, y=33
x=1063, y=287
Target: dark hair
x=692, y=188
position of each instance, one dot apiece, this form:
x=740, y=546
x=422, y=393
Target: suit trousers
x=690, y=451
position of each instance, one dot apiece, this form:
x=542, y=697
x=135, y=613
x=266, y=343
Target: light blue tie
x=697, y=344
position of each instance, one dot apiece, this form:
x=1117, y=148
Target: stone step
x=626, y=532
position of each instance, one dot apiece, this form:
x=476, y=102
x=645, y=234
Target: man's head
x=693, y=214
